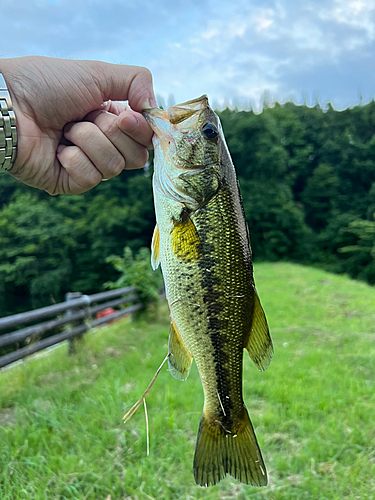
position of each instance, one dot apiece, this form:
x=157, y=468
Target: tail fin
x=235, y=451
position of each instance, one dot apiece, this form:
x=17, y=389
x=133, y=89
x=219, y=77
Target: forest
x=307, y=178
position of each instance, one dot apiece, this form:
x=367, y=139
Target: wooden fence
x=66, y=320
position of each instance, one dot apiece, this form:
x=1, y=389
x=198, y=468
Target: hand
x=71, y=134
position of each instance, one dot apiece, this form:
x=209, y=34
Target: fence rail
x=77, y=308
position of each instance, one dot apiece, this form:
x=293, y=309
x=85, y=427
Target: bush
x=135, y=270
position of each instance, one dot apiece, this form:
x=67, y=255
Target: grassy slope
x=61, y=435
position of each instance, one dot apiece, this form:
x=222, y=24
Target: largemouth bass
x=202, y=242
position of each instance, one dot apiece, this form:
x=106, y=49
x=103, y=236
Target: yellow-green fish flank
x=202, y=242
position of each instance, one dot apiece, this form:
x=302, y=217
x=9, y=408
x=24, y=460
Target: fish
x=201, y=240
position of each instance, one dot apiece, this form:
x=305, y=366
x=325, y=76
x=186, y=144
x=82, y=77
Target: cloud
x=234, y=51
x=355, y=14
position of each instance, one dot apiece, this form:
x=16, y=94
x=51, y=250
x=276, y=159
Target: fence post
x=71, y=342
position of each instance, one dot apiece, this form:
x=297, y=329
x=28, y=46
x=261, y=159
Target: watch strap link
x=8, y=131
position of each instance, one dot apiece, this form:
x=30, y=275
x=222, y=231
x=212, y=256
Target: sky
x=240, y=53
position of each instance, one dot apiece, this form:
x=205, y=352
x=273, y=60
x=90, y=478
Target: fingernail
x=153, y=103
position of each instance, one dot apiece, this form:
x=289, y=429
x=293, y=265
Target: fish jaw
x=174, y=114
x=165, y=122
x=158, y=120
x=186, y=162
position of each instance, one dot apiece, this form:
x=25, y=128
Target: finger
x=77, y=173
x=130, y=122
x=133, y=149
x=141, y=93
x=136, y=127
x=122, y=83
x=97, y=147
x=114, y=107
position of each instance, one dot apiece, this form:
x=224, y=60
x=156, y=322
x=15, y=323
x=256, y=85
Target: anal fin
x=259, y=344
x=179, y=361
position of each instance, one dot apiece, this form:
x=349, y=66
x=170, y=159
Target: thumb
x=124, y=83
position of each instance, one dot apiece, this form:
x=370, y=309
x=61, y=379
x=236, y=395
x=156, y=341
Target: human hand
x=71, y=133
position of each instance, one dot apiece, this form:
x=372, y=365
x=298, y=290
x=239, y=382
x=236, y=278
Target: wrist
x=8, y=131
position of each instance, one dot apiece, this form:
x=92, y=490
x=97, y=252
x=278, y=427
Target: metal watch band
x=8, y=132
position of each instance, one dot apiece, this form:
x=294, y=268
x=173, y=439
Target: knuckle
x=106, y=124
x=79, y=169
x=117, y=166
x=139, y=159
x=145, y=73
x=81, y=132
x=71, y=156
x=143, y=159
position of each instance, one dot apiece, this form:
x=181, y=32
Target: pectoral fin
x=179, y=361
x=259, y=344
x=186, y=244
x=155, y=244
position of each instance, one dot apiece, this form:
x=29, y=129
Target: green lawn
x=61, y=430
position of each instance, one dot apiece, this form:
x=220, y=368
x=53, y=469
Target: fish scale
x=202, y=242
x=230, y=280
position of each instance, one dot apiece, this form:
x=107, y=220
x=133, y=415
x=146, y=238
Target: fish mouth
x=162, y=120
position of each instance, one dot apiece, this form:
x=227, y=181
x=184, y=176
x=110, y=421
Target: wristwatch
x=8, y=131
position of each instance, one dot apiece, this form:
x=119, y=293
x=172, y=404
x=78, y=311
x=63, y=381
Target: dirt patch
x=113, y=353
x=50, y=377
x=7, y=417
x=277, y=438
x=42, y=406
x=233, y=493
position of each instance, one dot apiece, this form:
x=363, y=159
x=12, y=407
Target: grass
x=61, y=430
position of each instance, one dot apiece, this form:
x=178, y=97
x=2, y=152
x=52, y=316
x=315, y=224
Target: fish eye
x=210, y=132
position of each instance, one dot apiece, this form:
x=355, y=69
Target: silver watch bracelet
x=8, y=131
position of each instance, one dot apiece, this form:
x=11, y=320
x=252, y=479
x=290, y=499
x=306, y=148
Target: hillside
x=307, y=179
x=61, y=430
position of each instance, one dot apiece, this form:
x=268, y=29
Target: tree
x=34, y=263
x=277, y=228
x=360, y=254
x=320, y=196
